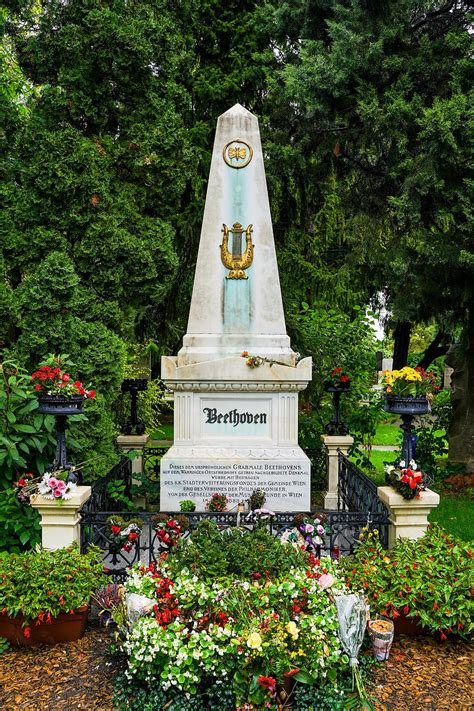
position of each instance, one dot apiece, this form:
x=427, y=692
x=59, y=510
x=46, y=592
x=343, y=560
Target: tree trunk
x=401, y=336
x=461, y=432
x=437, y=348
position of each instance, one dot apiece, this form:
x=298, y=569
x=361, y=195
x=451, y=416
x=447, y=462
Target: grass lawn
x=165, y=431
x=388, y=434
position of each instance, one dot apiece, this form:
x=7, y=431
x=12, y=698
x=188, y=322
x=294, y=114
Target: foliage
x=26, y=445
x=238, y=553
x=332, y=337
x=187, y=505
x=429, y=579
x=431, y=442
x=41, y=584
x=133, y=695
x=4, y=645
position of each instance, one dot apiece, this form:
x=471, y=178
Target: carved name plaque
x=249, y=417
x=286, y=483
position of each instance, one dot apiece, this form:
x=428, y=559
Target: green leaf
x=11, y=417
x=304, y=677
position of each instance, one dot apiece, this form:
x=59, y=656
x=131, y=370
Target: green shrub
x=235, y=553
x=429, y=579
x=26, y=445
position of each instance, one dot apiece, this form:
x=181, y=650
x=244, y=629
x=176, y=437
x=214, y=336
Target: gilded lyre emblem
x=236, y=260
x=237, y=153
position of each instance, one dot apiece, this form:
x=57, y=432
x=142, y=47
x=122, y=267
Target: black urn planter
x=407, y=408
x=398, y=405
x=61, y=408
x=336, y=426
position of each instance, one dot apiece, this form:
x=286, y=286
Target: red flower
x=268, y=682
x=115, y=530
x=335, y=371
x=256, y=576
x=37, y=386
x=27, y=632
x=132, y=536
x=292, y=672
x=406, y=610
x=344, y=378
x=77, y=384
x=90, y=393
x=22, y=482
x=65, y=377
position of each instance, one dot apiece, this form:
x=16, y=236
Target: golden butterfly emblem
x=238, y=153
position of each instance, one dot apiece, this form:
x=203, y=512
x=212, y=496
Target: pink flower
x=61, y=486
x=57, y=493
x=53, y=482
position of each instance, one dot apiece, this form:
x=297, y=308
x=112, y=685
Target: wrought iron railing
x=344, y=526
x=356, y=492
x=102, y=490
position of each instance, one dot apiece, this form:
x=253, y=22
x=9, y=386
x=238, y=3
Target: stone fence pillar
x=60, y=521
x=137, y=443
x=333, y=443
x=408, y=518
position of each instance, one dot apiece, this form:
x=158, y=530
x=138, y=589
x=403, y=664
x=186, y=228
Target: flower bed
x=240, y=610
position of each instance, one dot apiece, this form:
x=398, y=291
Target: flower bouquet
x=217, y=502
x=307, y=533
x=53, y=485
x=169, y=530
x=123, y=535
x=408, y=481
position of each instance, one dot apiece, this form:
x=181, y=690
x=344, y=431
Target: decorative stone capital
x=408, y=518
x=127, y=443
x=60, y=520
x=335, y=442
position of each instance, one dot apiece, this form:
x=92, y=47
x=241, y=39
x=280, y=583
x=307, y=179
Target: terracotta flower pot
x=408, y=626
x=66, y=627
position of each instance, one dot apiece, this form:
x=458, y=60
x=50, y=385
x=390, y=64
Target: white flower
x=402, y=464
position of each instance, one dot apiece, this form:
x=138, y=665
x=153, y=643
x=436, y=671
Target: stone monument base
x=197, y=473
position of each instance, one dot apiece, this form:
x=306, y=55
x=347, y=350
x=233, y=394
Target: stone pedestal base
x=131, y=443
x=408, y=518
x=235, y=430
x=333, y=443
x=197, y=473
x=60, y=521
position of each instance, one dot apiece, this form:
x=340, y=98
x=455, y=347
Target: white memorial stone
x=236, y=426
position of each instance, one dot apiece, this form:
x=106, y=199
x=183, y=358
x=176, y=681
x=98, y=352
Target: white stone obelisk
x=236, y=426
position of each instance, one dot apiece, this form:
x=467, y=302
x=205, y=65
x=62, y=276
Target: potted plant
x=217, y=503
x=408, y=392
x=257, y=499
x=337, y=380
x=107, y=599
x=45, y=595
x=59, y=394
x=187, y=506
x=422, y=585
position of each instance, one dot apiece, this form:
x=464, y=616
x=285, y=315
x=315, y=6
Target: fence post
x=333, y=444
x=129, y=443
x=408, y=518
x=60, y=520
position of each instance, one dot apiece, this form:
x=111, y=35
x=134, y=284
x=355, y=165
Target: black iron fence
x=356, y=492
x=358, y=507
